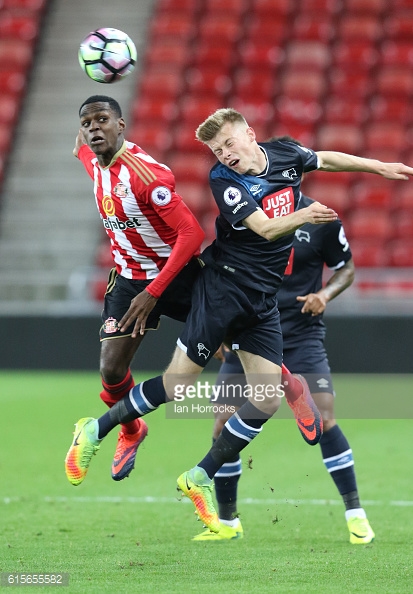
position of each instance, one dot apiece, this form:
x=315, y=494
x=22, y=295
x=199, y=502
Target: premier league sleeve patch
x=161, y=196
x=232, y=196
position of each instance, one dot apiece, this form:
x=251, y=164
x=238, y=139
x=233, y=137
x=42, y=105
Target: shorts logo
x=110, y=326
x=302, y=235
x=108, y=206
x=120, y=190
x=161, y=196
x=232, y=196
x=203, y=351
x=322, y=382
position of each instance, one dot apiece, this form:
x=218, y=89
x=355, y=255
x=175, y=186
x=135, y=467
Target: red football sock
x=112, y=393
x=292, y=386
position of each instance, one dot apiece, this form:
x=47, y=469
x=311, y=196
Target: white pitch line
x=245, y=501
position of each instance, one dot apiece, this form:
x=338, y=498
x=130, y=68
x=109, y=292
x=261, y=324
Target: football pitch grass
x=135, y=536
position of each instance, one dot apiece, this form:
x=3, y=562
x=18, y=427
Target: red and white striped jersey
x=134, y=194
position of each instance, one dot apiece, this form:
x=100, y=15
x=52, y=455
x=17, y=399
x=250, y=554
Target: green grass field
x=135, y=536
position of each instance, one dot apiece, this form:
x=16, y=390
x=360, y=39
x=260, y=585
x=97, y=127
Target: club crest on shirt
x=161, y=196
x=110, y=326
x=120, y=190
x=108, y=206
x=232, y=196
x=289, y=173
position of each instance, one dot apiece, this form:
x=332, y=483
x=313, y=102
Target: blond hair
x=213, y=124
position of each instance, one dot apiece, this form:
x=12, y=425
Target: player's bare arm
x=315, y=303
x=335, y=161
x=139, y=309
x=272, y=229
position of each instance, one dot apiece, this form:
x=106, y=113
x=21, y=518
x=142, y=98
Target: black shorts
x=309, y=359
x=222, y=311
x=175, y=301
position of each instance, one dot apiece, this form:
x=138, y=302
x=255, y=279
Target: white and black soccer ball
x=107, y=55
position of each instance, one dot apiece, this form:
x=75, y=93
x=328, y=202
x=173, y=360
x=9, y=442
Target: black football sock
x=338, y=459
x=238, y=432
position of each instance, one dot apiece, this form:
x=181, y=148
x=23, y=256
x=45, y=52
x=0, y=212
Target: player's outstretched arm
x=335, y=161
x=272, y=229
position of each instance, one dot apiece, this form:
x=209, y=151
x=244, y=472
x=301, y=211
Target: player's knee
x=111, y=372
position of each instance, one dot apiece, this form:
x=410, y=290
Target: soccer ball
x=107, y=55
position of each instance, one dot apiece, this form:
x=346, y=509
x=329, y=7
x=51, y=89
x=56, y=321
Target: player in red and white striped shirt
x=154, y=241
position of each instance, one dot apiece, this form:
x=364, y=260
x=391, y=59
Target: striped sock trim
x=343, y=460
x=239, y=428
x=229, y=469
x=139, y=402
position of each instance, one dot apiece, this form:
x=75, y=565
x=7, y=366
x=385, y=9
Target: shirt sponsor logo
x=232, y=196
x=108, y=206
x=279, y=204
x=161, y=196
x=302, y=235
x=240, y=205
x=289, y=173
x=115, y=224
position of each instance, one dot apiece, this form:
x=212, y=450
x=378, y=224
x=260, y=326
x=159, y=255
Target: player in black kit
x=257, y=189
x=302, y=300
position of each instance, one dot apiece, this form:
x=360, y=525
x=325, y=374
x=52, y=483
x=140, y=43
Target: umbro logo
x=322, y=382
x=255, y=189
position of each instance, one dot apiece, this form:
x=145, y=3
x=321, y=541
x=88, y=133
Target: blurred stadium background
x=335, y=74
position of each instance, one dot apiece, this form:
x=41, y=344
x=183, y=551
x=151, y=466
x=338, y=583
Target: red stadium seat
x=401, y=253
x=270, y=29
x=367, y=254
x=154, y=109
x=197, y=197
x=403, y=198
x=260, y=54
x=211, y=81
x=321, y=6
x=369, y=224
x=209, y=53
x=330, y=193
x=298, y=110
x=311, y=55
x=16, y=54
x=392, y=81
x=388, y=135
x=168, y=51
x=257, y=112
x=248, y=83
x=153, y=137
x=390, y=109
x=313, y=27
x=161, y=83
x=235, y=8
x=9, y=107
x=270, y=8
x=180, y=25
x=340, y=110
x=6, y=137
x=373, y=193
x=194, y=110
x=308, y=85
x=220, y=28
x=304, y=133
x=183, y=138
x=403, y=225
x=355, y=27
x=346, y=138
x=396, y=53
x=399, y=26
x=19, y=26
x=179, y=6
x=360, y=52
x=12, y=82
x=190, y=167
x=351, y=83
x=368, y=7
